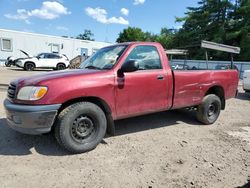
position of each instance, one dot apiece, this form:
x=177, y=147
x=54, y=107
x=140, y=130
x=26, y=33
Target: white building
x=13, y=41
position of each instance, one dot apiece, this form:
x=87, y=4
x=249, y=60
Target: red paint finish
x=141, y=92
x=191, y=86
x=137, y=92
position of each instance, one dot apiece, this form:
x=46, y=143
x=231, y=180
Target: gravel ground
x=168, y=149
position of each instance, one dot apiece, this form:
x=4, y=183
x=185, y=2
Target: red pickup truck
x=117, y=82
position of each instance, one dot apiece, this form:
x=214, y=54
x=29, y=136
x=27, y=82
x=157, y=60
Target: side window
x=147, y=57
x=53, y=56
x=41, y=56
x=46, y=56
x=57, y=56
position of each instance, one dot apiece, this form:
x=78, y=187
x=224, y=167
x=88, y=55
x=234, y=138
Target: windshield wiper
x=92, y=67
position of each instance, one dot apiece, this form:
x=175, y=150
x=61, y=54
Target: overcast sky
x=105, y=18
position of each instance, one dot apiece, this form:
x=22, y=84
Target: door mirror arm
x=120, y=73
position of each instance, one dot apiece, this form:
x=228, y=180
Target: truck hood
x=40, y=79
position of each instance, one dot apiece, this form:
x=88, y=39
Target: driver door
x=41, y=60
x=145, y=90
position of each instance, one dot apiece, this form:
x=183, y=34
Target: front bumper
x=30, y=119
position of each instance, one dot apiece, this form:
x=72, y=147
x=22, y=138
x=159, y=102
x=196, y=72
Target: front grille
x=12, y=91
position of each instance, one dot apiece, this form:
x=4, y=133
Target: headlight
x=31, y=93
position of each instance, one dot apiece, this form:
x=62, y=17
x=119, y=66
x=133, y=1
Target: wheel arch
x=99, y=102
x=218, y=91
x=29, y=62
x=61, y=63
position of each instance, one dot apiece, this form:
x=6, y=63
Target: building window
x=6, y=44
x=55, y=48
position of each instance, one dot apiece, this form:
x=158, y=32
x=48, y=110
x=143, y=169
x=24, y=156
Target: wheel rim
x=61, y=67
x=212, y=111
x=83, y=128
x=29, y=67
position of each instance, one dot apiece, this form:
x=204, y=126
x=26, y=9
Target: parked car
x=44, y=60
x=117, y=82
x=246, y=81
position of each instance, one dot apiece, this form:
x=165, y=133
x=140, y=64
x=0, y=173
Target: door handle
x=160, y=77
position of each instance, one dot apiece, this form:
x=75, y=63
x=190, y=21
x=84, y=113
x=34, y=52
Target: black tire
x=80, y=127
x=209, y=110
x=60, y=66
x=8, y=63
x=29, y=66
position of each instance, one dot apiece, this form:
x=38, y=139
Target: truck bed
x=190, y=86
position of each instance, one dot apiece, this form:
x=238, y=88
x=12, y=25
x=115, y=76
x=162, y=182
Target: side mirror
x=129, y=66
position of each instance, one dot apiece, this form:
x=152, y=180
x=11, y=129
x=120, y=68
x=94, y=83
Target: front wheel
x=29, y=66
x=8, y=63
x=209, y=110
x=80, y=127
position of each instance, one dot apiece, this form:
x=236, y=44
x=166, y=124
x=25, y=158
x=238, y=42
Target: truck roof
x=136, y=42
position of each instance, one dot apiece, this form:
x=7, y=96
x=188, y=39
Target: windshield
x=104, y=58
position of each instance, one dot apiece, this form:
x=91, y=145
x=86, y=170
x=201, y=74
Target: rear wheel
x=29, y=66
x=80, y=127
x=61, y=66
x=209, y=110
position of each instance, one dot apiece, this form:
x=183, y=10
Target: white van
x=246, y=80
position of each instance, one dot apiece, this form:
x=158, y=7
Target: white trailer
x=11, y=42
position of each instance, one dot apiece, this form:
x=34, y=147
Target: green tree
x=86, y=35
x=131, y=34
x=208, y=21
x=166, y=37
x=239, y=34
x=136, y=34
